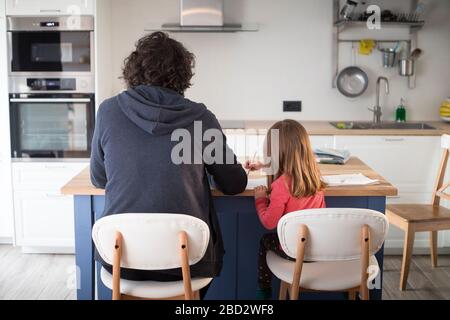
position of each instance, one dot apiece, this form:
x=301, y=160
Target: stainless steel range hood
x=204, y=16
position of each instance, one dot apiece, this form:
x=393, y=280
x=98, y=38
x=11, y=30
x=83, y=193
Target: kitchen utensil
x=415, y=54
x=389, y=55
x=388, y=16
x=366, y=46
x=406, y=68
x=352, y=82
x=348, y=9
x=253, y=161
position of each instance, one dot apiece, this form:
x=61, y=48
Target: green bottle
x=400, y=114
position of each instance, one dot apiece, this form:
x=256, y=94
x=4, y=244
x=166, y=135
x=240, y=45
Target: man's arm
x=230, y=177
x=98, y=173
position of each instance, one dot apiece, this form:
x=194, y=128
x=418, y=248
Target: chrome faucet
x=377, y=109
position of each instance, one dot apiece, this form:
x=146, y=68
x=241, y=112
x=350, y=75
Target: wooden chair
x=412, y=218
x=151, y=242
x=342, y=244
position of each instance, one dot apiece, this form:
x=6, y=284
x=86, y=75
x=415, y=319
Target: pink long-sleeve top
x=281, y=202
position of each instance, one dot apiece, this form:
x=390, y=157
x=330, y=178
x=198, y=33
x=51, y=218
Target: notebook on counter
x=348, y=180
x=331, y=156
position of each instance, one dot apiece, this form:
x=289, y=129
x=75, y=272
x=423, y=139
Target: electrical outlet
x=292, y=106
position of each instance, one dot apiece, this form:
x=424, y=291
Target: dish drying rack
x=411, y=21
x=399, y=18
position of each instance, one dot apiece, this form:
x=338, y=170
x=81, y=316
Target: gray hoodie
x=131, y=159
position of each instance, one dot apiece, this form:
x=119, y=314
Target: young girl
x=297, y=186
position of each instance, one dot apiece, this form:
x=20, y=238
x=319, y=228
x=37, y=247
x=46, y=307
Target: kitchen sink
x=381, y=126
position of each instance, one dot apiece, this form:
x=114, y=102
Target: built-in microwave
x=52, y=125
x=51, y=86
x=62, y=44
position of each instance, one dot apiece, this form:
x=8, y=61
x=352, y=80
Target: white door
x=50, y=7
x=44, y=219
x=6, y=212
x=409, y=163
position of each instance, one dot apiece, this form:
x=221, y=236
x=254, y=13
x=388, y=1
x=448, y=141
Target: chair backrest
x=440, y=186
x=333, y=234
x=445, y=141
x=151, y=241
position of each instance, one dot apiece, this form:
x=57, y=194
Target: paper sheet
x=253, y=183
x=348, y=180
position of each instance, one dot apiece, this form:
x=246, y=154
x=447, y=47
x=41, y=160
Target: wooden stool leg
x=352, y=294
x=433, y=247
x=407, y=253
x=283, y=290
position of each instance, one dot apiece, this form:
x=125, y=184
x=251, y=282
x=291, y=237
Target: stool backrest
x=440, y=186
x=151, y=241
x=333, y=234
x=445, y=141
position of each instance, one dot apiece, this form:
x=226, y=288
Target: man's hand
x=253, y=166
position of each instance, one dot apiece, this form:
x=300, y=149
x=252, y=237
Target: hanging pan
x=352, y=82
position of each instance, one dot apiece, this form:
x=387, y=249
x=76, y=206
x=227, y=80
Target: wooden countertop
x=325, y=128
x=81, y=184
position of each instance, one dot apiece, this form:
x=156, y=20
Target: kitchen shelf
x=414, y=26
x=339, y=25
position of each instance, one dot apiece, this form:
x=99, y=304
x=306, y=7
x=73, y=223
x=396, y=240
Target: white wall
x=248, y=75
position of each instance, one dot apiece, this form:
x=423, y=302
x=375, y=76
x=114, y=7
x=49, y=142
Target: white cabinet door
x=49, y=7
x=322, y=142
x=409, y=163
x=2, y=9
x=6, y=212
x=44, y=176
x=44, y=219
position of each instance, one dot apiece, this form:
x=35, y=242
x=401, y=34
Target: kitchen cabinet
x=43, y=219
x=322, y=141
x=2, y=9
x=408, y=162
x=50, y=7
x=43, y=216
x=246, y=142
x=6, y=212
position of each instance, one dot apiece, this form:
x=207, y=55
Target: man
x=132, y=149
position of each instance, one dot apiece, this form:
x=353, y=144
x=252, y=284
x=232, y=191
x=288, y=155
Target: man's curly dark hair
x=159, y=61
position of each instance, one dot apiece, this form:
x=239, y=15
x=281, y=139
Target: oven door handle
x=49, y=100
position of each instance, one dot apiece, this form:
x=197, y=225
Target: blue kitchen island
x=241, y=232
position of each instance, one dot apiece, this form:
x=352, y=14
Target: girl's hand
x=253, y=166
x=261, y=192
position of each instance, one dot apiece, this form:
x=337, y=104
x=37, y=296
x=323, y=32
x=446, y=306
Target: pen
x=253, y=160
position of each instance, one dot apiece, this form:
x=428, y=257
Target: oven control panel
x=53, y=84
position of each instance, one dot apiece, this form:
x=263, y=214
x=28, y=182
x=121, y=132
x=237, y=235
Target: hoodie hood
x=157, y=110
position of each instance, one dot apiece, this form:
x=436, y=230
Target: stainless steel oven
x=52, y=125
x=51, y=86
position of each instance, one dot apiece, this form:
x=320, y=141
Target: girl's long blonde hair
x=296, y=159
